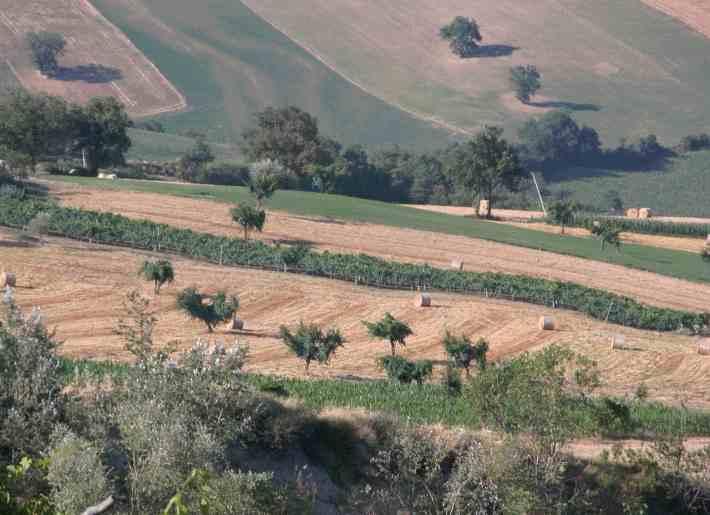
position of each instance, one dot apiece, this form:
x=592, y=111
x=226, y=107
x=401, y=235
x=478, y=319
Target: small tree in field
x=525, y=81
x=608, y=233
x=562, y=213
x=249, y=217
x=210, y=309
x=310, y=343
x=159, y=272
x=46, y=47
x=264, y=179
x=462, y=353
x=391, y=329
x=404, y=371
x=463, y=36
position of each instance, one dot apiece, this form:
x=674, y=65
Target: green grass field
x=625, y=68
x=681, y=188
x=229, y=63
x=154, y=146
x=672, y=263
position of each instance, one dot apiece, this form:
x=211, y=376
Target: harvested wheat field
x=80, y=289
x=394, y=243
x=99, y=59
x=520, y=218
x=693, y=13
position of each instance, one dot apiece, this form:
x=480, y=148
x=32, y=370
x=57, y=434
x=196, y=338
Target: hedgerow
x=114, y=229
x=643, y=226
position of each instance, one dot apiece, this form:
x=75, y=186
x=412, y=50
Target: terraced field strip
x=390, y=242
x=99, y=59
x=80, y=289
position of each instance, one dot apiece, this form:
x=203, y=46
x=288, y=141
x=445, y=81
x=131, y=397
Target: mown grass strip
x=672, y=263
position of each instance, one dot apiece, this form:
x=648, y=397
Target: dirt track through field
x=80, y=289
x=396, y=244
x=99, y=59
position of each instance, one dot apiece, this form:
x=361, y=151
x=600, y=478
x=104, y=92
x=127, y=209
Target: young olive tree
x=209, y=309
x=391, y=329
x=608, y=233
x=310, y=343
x=159, y=272
x=462, y=353
x=249, y=217
x=562, y=213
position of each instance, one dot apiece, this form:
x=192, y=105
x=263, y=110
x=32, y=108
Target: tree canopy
x=159, y=272
x=462, y=353
x=463, y=36
x=562, y=213
x=404, y=371
x=486, y=164
x=525, y=81
x=265, y=177
x=46, y=47
x=195, y=160
x=249, y=217
x=391, y=329
x=210, y=309
x=310, y=342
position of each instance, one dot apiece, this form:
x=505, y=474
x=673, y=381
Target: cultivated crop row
x=645, y=226
x=362, y=269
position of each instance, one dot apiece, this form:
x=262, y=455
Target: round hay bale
x=423, y=300
x=483, y=206
x=645, y=213
x=8, y=279
x=546, y=323
x=632, y=213
x=237, y=324
x=457, y=265
x=618, y=341
x=704, y=346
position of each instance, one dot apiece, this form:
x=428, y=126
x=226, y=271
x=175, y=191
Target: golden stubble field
x=394, y=243
x=80, y=289
x=91, y=40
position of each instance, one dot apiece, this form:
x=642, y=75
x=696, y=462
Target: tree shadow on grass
x=492, y=51
x=569, y=106
x=91, y=73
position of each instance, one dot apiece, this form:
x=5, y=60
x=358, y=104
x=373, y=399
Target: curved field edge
x=112, y=229
x=677, y=264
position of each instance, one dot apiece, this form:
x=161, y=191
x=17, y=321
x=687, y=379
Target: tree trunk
x=563, y=228
x=246, y=234
x=392, y=345
x=209, y=327
x=156, y=289
x=308, y=364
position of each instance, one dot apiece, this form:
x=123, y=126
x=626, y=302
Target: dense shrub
x=362, y=269
x=224, y=174
x=695, y=142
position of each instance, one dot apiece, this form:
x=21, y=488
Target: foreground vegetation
x=361, y=269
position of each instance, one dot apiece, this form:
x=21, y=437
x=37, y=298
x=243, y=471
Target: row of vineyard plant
x=643, y=226
x=108, y=228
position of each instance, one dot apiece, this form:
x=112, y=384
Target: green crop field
x=680, y=188
x=683, y=265
x=625, y=68
x=229, y=64
x=155, y=146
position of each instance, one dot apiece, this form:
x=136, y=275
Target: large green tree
x=390, y=329
x=45, y=48
x=289, y=136
x=210, y=309
x=195, y=160
x=486, y=164
x=33, y=127
x=311, y=343
x=525, y=81
x=101, y=132
x=463, y=36
x=249, y=217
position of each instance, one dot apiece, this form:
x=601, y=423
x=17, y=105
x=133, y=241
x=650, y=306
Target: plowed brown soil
x=80, y=289
x=397, y=244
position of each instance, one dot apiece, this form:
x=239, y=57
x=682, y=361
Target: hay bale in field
x=7, y=279
x=423, y=300
x=704, y=346
x=237, y=324
x=632, y=213
x=645, y=213
x=457, y=265
x=546, y=323
x=707, y=241
x=483, y=206
x=618, y=342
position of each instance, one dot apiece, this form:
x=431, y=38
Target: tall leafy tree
x=264, y=179
x=462, y=353
x=33, y=127
x=390, y=329
x=463, y=36
x=101, y=132
x=486, y=164
x=287, y=135
x=562, y=213
x=209, y=309
x=249, y=217
x=311, y=343
x=158, y=272
x=525, y=81
x=45, y=48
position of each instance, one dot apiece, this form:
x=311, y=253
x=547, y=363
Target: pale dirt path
x=80, y=289
x=396, y=244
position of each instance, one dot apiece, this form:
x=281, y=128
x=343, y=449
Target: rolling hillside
x=622, y=66
x=229, y=63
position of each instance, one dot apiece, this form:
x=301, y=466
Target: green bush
x=362, y=269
